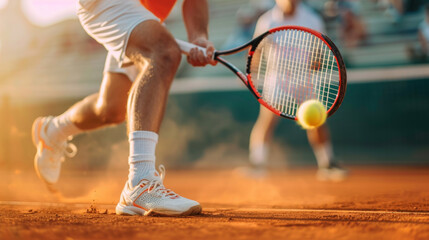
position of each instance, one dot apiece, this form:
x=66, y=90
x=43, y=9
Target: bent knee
x=169, y=54
x=165, y=53
x=110, y=113
x=152, y=41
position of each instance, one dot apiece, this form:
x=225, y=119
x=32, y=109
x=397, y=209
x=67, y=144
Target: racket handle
x=186, y=47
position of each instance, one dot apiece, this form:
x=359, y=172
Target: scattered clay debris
x=92, y=209
x=32, y=211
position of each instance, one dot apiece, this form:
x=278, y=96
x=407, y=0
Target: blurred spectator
x=247, y=16
x=396, y=9
x=330, y=9
x=420, y=53
x=424, y=32
x=246, y=19
x=407, y=6
x=352, y=30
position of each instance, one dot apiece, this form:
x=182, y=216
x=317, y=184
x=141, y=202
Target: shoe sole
x=35, y=138
x=334, y=177
x=132, y=211
x=34, y=132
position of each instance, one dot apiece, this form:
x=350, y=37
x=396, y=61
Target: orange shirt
x=160, y=8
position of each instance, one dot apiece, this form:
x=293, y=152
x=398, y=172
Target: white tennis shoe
x=333, y=172
x=150, y=196
x=50, y=155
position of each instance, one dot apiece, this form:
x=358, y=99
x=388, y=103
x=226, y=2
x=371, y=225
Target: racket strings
x=292, y=66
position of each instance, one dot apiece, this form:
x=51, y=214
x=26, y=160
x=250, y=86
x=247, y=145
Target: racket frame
x=253, y=44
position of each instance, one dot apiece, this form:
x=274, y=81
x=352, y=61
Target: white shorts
x=110, y=22
x=113, y=66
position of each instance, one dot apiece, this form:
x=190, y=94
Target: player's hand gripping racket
x=287, y=66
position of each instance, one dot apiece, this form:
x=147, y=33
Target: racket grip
x=186, y=47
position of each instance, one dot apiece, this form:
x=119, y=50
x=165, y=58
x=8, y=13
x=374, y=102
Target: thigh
x=267, y=119
x=110, y=22
x=150, y=38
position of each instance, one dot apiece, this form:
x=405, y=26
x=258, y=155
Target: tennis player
x=291, y=12
x=141, y=63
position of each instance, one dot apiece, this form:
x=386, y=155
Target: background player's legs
x=153, y=49
x=260, y=137
x=320, y=141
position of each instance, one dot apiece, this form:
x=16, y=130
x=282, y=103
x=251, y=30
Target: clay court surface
x=373, y=203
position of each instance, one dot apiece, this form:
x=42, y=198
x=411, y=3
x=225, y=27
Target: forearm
x=196, y=18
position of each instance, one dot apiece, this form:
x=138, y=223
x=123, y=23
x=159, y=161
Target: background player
x=291, y=12
x=141, y=64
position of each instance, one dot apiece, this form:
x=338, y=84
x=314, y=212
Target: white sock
x=258, y=155
x=62, y=127
x=142, y=155
x=324, y=154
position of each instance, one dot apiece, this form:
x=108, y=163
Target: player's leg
x=104, y=108
x=134, y=35
x=261, y=136
x=320, y=141
x=154, y=50
x=50, y=134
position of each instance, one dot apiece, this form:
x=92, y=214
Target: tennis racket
x=287, y=66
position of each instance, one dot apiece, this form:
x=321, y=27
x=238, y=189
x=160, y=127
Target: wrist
x=198, y=38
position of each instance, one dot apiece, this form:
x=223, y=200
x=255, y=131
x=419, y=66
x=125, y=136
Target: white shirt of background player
x=303, y=16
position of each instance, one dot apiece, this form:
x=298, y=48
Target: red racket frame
x=247, y=79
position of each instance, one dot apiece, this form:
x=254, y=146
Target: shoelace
x=158, y=186
x=68, y=149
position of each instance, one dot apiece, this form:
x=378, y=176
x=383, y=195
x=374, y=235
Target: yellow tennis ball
x=311, y=114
